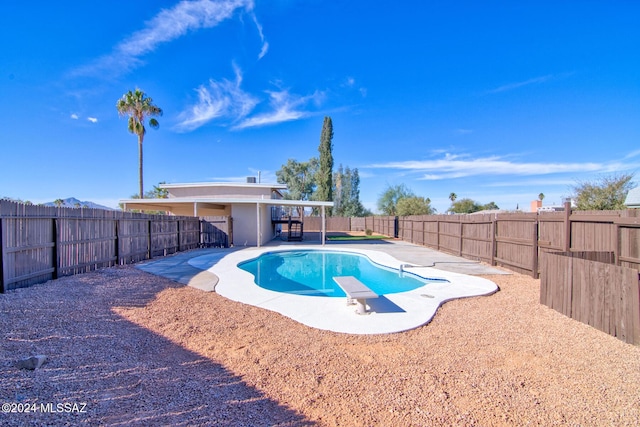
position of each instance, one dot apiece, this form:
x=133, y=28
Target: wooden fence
x=516, y=240
x=587, y=287
x=40, y=243
x=589, y=260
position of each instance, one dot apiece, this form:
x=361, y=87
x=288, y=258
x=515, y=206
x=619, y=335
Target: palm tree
x=453, y=197
x=541, y=196
x=58, y=202
x=138, y=106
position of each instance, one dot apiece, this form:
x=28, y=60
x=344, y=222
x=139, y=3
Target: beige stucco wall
x=239, y=192
x=245, y=224
x=203, y=210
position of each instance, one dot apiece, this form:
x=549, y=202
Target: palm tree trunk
x=140, y=165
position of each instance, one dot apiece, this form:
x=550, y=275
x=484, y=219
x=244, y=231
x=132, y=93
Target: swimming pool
x=311, y=273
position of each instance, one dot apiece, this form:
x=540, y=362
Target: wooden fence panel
x=28, y=251
x=369, y=224
x=450, y=236
x=516, y=242
x=551, y=230
x=587, y=287
x=385, y=225
x=133, y=240
x=188, y=233
x=358, y=224
x=164, y=236
x=477, y=238
x=85, y=244
x=215, y=231
x=430, y=230
x=336, y=224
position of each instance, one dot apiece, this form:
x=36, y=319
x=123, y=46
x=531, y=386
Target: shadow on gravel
x=105, y=370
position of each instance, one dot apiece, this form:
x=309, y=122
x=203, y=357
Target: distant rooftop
x=633, y=198
x=225, y=184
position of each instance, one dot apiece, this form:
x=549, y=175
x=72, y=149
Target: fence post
x=460, y=230
x=179, y=239
x=534, y=266
x=117, y=241
x=56, y=242
x=567, y=226
x=2, y=279
x=617, y=248
x=149, y=239
x=396, y=226
x=494, y=230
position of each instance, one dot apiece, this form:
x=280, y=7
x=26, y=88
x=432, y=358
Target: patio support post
x=258, y=224
x=324, y=225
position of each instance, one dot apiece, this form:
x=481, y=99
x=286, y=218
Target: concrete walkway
x=216, y=270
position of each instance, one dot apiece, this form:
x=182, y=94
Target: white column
x=258, y=224
x=324, y=228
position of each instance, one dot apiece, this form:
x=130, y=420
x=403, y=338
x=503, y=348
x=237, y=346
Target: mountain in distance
x=72, y=202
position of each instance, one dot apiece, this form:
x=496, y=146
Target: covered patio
x=254, y=224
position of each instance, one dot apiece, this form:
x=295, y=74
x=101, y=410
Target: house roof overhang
x=213, y=203
x=225, y=184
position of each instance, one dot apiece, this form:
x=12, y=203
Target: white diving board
x=355, y=290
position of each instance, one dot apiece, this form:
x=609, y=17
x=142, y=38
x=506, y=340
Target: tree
x=347, y=193
x=299, y=178
x=541, y=196
x=138, y=107
x=453, y=197
x=388, y=200
x=489, y=206
x=58, y=202
x=414, y=205
x=157, y=192
x=607, y=193
x=324, y=178
x=465, y=205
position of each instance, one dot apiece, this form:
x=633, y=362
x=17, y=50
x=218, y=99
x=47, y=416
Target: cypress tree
x=324, y=181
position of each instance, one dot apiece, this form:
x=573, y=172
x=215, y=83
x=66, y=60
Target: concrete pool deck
x=216, y=270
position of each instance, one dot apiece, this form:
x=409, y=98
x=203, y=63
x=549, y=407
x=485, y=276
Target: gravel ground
x=126, y=347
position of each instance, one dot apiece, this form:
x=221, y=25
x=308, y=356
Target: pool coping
x=390, y=313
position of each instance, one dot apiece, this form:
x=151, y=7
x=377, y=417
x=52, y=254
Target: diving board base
x=355, y=290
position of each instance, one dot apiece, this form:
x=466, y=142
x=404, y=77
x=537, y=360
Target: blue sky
x=494, y=101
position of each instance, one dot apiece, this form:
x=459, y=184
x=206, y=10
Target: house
x=633, y=198
x=255, y=208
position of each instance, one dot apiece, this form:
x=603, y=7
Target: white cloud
x=263, y=51
x=75, y=117
x=455, y=166
x=265, y=44
x=632, y=154
x=166, y=26
x=284, y=107
x=215, y=100
x=535, y=80
x=92, y=119
x=512, y=86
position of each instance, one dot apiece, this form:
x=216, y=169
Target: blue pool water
x=311, y=272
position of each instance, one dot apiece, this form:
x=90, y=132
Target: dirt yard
x=129, y=348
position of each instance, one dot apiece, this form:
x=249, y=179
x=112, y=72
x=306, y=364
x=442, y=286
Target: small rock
x=33, y=362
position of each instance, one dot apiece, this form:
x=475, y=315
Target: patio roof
x=213, y=202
